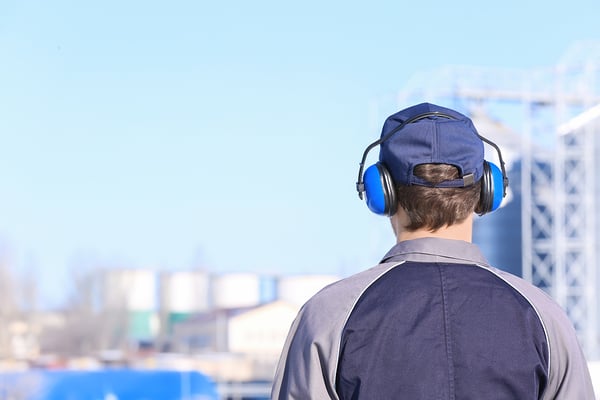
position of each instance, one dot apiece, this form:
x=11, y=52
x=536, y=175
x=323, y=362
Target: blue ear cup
x=380, y=193
x=498, y=179
x=492, y=188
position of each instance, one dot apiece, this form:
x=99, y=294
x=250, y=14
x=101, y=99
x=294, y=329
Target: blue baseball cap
x=438, y=135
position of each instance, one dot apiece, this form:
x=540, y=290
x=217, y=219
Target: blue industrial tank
x=499, y=234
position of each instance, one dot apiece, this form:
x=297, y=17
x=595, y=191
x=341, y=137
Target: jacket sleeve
x=568, y=374
x=304, y=369
x=569, y=377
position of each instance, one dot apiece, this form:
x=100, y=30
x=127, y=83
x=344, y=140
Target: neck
x=460, y=231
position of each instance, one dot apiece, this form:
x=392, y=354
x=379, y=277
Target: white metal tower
x=556, y=110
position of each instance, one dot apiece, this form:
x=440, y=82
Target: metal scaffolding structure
x=557, y=111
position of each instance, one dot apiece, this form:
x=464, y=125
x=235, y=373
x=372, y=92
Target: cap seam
x=434, y=152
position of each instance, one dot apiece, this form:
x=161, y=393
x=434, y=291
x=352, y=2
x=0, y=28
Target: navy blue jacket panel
x=442, y=331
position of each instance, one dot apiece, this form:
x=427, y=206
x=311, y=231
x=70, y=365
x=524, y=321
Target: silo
x=236, y=290
x=133, y=291
x=298, y=289
x=183, y=293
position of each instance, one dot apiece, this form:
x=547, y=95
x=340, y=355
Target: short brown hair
x=433, y=208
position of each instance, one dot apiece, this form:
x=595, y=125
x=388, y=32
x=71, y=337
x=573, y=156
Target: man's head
x=431, y=165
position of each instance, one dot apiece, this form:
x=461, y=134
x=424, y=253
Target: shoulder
x=553, y=317
x=337, y=299
x=552, y=314
x=353, y=284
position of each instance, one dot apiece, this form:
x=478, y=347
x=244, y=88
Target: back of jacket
x=442, y=331
x=432, y=321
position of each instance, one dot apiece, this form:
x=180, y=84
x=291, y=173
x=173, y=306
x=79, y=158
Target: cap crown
x=446, y=138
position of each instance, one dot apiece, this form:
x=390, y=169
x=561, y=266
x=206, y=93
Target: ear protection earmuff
x=380, y=191
x=493, y=179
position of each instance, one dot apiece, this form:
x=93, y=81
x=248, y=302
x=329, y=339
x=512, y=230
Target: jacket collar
x=436, y=250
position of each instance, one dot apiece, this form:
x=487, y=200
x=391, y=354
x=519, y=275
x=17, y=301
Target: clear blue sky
x=224, y=135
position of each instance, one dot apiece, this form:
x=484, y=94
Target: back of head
x=432, y=208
